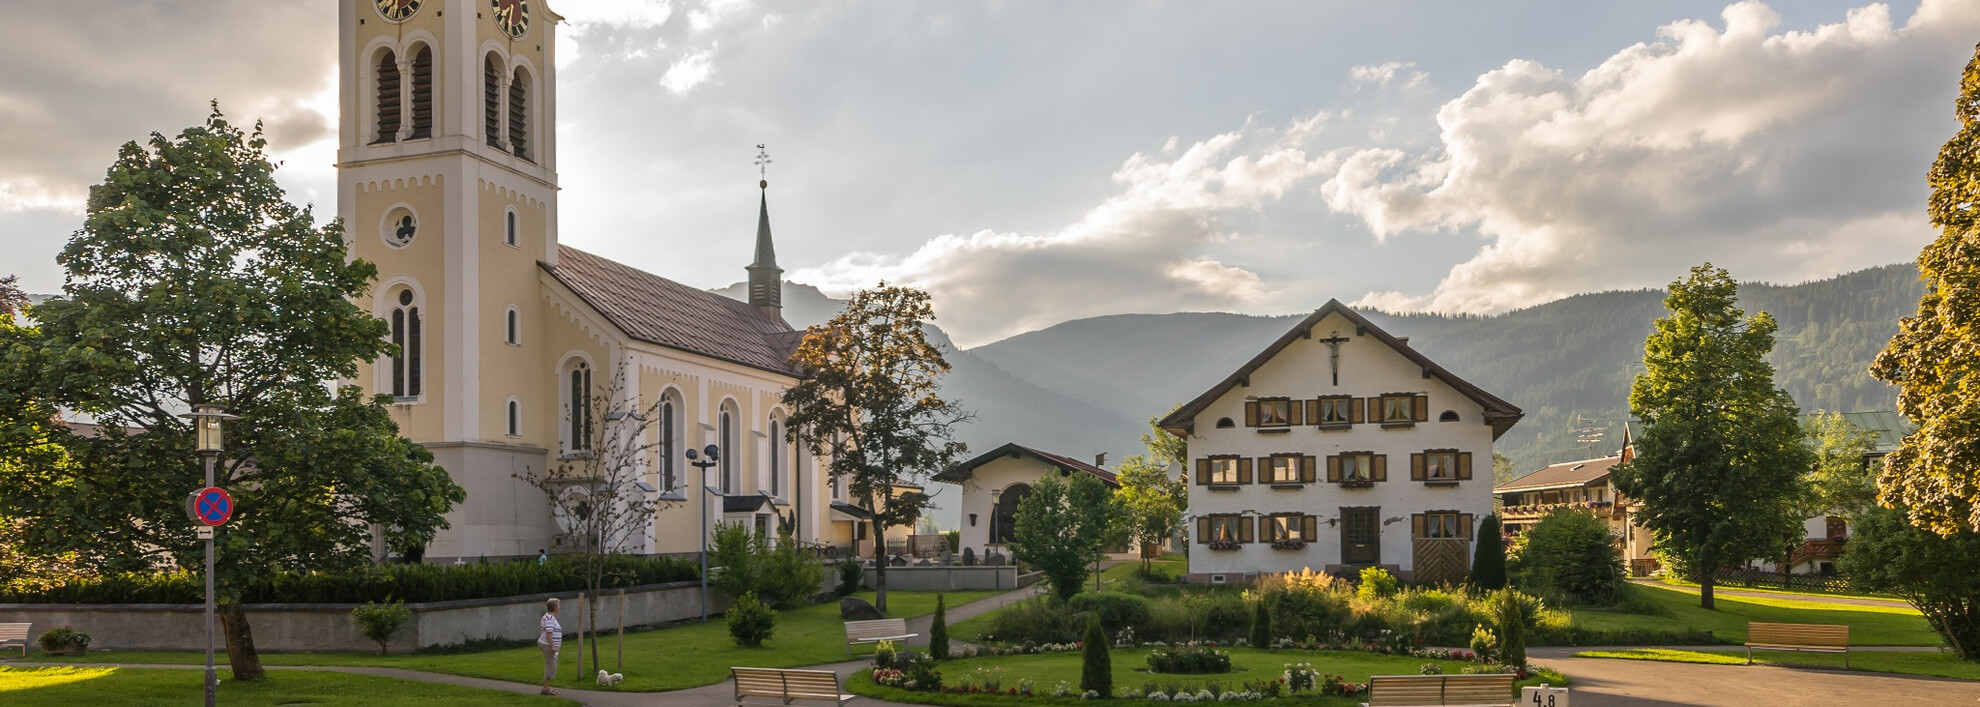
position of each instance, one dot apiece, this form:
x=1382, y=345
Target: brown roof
x=1585, y=472
x=1498, y=412
x=657, y=310
x=961, y=472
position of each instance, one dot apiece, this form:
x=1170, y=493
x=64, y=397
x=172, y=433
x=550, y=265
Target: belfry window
x=406, y=335
x=491, y=101
x=422, y=93
x=388, y=98
x=519, y=115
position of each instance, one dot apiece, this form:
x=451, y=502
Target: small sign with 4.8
x=1543, y=696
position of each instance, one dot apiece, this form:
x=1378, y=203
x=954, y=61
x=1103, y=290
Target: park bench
x=1439, y=690
x=10, y=633
x=780, y=686
x=876, y=631
x=1815, y=638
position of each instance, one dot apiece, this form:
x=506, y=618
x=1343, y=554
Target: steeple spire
x=766, y=280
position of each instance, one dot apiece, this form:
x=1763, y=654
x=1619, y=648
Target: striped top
x=550, y=632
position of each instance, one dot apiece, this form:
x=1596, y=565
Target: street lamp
x=996, y=573
x=714, y=454
x=208, y=439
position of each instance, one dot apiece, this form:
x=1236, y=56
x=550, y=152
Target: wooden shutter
x=1416, y=525
x=1251, y=413
x=1464, y=525
x=1464, y=466
x=1355, y=406
x=1244, y=530
x=1313, y=411
x=1203, y=531
x=1244, y=470
x=1203, y=472
x=1422, y=408
x=1295, y=413
x=1266, y=526
x=1333, y=469
x=1416, y=472
x=1306, y=468
x=1309, y=528
x=1381, y=467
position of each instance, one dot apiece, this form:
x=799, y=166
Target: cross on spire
x=763, y=166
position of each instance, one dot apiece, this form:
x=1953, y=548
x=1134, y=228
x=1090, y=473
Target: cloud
x=1382, y=74
x=1138, y=250
x=689, y=72
x=1782, y=155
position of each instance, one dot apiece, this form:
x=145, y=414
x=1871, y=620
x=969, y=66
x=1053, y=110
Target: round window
x=399, y=227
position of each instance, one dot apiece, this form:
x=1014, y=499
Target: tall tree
x=193, y=282
x=1935, y=472
x=1720, y=465
x=1503, y=469
x=870, y=402
x=1937, y=574
x=1064, y=524
x=12, y=299
x=1152, y=501
x=597, y=489
x=1841, y=481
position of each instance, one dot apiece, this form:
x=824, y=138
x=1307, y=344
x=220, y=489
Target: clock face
x=397, y=10
x=512, y=16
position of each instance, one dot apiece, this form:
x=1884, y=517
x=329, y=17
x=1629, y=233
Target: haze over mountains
x=1090, y=385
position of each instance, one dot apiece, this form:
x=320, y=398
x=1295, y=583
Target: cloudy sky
x=1033, y=162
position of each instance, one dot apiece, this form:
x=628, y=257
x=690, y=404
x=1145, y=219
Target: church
x=447, y=181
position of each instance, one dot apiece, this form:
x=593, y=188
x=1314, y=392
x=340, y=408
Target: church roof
x=659, y=311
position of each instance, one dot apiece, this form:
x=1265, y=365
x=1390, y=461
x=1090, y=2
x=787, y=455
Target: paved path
x=1815, y=598
x=1601, y=682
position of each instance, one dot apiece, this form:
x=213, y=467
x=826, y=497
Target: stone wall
x=950, y=578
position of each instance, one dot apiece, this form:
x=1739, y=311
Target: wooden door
x=1361, y=536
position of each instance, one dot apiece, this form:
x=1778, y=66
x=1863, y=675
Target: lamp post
x=208, y=439
x=996, y=574
x=714, y=454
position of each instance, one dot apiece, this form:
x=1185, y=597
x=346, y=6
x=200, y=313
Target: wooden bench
x=10, y=633
x=1438, y=690
x=876, y=631
x=781, y=686
x=1815, y=638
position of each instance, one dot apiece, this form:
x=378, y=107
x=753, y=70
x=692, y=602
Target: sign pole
x=212, y=680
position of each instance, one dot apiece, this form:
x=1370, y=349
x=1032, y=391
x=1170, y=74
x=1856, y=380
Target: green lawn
x=1171, y=564
x=1129, y=664
x=674, y=658
x=1934, y=664
x=1803, y=593
x=98, y=686
x=1868, y=625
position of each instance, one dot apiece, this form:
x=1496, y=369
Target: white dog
x=610, y=679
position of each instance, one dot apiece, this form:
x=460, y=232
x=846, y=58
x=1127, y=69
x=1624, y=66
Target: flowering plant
x=1300, y=676
x=1289, y=544
x=1223, y=545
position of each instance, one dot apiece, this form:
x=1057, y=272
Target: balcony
x=1537, y=510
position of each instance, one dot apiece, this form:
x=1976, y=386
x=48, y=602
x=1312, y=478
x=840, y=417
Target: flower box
x=1223, y=544
x=1294, y=544
x=1357, y=484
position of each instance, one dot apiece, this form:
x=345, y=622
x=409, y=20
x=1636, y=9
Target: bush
x=850, y=574
x=372, y=583
x=63, y=639
x=1036, y=620
x=1305, y=603
x=1514, y=611
x=379, y=622
x=779, y=575
x=1189, y=660
x=1377, y=583
x=791, y=577
x=1488, y=565
x=751, y=621
x=1096, y=667
x=1570, y=556
x=1261, y=625
x=1114, y=609
x=938, y=634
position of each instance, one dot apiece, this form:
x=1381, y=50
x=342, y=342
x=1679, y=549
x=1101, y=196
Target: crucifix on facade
x=1333, y=342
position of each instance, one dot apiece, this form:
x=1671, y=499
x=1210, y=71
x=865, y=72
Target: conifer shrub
x=1488, y=565
x=1097, y=668
x=1512, y=613
x=1261, y=625
x=938, y=634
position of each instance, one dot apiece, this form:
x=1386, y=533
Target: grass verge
x=1672, y=582
x=1671, y=608
x=1927, y=663
x=97, y=686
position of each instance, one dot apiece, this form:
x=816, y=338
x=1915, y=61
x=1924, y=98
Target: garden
x=92, y=686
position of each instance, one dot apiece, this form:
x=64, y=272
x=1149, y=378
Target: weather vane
x=763, y=165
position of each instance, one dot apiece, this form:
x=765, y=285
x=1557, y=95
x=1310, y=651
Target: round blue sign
x=213, y=506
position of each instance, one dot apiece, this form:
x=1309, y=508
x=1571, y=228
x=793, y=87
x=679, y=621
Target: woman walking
x=550, y=638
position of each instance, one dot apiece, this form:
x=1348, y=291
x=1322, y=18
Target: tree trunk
x=1958, y=622
x=591, y=622
x=879, y=565
x=1705, y=591
x=241, y=656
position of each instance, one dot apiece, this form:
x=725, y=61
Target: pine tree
x=1488, y=566
x=1097, y=668
x=938, y=634
x=1261, y=625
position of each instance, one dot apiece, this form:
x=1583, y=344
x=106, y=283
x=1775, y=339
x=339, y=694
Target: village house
x=1338, y=448
x=995, y=482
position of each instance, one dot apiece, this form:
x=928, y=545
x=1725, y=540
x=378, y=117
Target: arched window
x=491, y=101
x=406, y=335
x=776, y=469
x=727, y=438
x=513, y=330
x=578, y=430
x=422, y=93
x=1448, y=416
x=519, y=115
x=1005, y=514
x=515, y=418
x=509, y=233
x=388, y=98
x=669, y=443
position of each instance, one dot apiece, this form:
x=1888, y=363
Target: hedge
x=378, y=583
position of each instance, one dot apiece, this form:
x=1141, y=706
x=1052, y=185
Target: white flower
x=1158, y=696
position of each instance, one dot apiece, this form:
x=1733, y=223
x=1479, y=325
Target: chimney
x=1404, y=340
x=1100, y=459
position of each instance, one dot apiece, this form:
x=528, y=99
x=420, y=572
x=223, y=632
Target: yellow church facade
x=447, y=181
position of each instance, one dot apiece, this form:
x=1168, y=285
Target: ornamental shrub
x=1116, y=610
x=1035, y=620
x=379, y=622
x=1514, y=611
x=1488, y=565
x=1096, y=667
x=1189, y=660
x=850, y=574
x=751, y=621
x=414, y=583
x=1261, y=625
x=938, y=634
x=1570, y=556
x=1377, y=583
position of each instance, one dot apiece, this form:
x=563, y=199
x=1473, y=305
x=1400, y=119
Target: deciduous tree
x=1938, y=574
x=1841, y=482
x=193, y=282
x=870, y=402
x=1935, y=356
x=1720, y=466
x=1064, y=524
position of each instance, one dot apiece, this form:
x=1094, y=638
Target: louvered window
x=422, y=93
x=491, y=102
x=388, y=99
x=519, y=116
